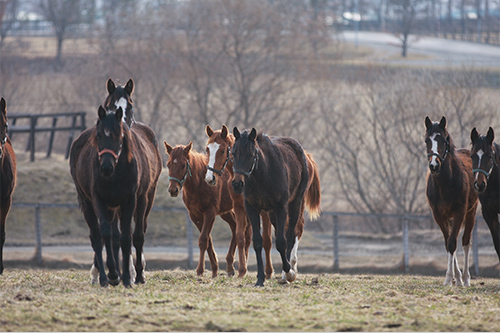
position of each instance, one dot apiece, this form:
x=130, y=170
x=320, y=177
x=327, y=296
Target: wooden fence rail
x=77, y=124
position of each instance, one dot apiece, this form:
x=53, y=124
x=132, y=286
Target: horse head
x=109, y=139
x=121, y=96
x=178, y=167
x=245, y=157
x=483, y=158
x=438, y=143
x=218, y=152
x=3, y=125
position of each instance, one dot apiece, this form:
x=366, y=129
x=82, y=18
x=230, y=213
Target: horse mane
x=198, y=162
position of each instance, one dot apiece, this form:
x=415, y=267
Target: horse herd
x=247, y=178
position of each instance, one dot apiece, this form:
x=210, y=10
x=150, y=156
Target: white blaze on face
x=434, y=149
x=212, y=148
x=480, y=154
x=122, y=102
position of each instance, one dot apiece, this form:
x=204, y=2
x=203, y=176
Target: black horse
x=116, y=170
x=7, y=175
x=272, y=173
x=485, y=156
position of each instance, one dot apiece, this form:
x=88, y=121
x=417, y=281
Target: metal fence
x=331, y=234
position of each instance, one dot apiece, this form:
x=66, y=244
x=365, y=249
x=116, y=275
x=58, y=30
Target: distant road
x=426, y=51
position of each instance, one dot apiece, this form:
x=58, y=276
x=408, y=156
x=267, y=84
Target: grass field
x=177, y=300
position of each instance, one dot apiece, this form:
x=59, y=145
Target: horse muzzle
x=107, y=167
x=238, y=185
x=173, y=190
x=480, y=186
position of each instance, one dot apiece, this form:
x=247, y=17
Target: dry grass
x=41, y=300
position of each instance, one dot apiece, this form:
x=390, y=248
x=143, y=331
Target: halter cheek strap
x=181, y=182
x=487, y=174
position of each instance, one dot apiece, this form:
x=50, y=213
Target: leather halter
x=488, y=174
x=441, y=158
x=252, y=168
x=181, y=182
x=109, y=151
x=228, y=157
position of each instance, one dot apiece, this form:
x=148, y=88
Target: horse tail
x=313, y=195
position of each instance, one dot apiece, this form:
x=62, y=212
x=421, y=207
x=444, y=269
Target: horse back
x=149, y=158
x=81, y=157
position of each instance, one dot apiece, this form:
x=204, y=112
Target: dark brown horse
x=451, y=195
x=121, y=96
x=7, y=175
x=219, y=162
x=186, y=169
x=485, y=154
x=273, y=175
x=115, y=170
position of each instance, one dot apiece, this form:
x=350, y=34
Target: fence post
x=189, y=235
x=475, y=249
x=406, y=247
x=335, y=242
x=31, y=141
x=38, y=231
x=52, y=133
x=70, y=137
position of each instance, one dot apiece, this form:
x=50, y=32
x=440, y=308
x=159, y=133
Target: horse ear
x=490, y=135
x=3, y=106
x=188, y=147
x=119, y=113
x=442, y=123
x=474, y=135
x=129, y=87
x=110, y=85
x=209, y=131
x=253, y=134
x=224, y=131
x=101, y=113
x=236, y=133
x=428, y=123
x=168, y=148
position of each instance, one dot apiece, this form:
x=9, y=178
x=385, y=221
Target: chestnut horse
x=451, y=195
x=7, y=175
x=116, y=170
x=186, y=169
x=219, y=160
x=273, y=175
x=485, y=154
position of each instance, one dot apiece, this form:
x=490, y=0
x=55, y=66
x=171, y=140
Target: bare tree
x=407, y=11
x=8, y=10
x=62, y=14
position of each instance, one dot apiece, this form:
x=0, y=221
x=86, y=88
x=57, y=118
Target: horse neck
x=198, y=165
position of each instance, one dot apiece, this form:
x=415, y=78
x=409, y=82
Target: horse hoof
x=290, y=276
x=114, y=282
x=230, y=274
x=259, y=284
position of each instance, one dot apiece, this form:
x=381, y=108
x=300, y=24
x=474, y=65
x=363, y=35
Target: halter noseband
x=221, y=171
x=109, y=151
x=181, y=182
x=252, y=168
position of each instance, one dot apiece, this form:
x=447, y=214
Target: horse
x=450, y=195
x=218, y=149
x=186, y=169
x=485, y=155
x=121, y=96
x=8, y=175
x=116, y=170
x=273, y=175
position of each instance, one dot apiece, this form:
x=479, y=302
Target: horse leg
x=254, y=217
x=126, y=237
x=115, y=234
x=5, y=206
x=267, y=242
x=292, y=242
x=105, y=215
x=453, y=266
x=279, y=215
x=470, y=220
x=137, y=274
x=491, y=218
x=96, y=242
x=443, y=224
x=241, y=227
x=230, y=219
x=205, y=243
